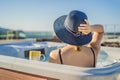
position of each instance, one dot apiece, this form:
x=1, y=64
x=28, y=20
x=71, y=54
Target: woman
x=83, y=46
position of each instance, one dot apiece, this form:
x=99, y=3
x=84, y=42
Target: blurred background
x=33, y=19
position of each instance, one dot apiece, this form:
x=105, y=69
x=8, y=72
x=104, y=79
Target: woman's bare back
x=71, y=56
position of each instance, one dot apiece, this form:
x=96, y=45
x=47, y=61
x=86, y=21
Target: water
x=104, y=59
x=21, y=49
x=18, y=50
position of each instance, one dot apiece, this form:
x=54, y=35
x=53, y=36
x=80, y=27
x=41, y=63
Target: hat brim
x=64, y=35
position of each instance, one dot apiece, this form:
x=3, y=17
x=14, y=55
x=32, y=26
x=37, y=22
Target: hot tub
x=12, y=57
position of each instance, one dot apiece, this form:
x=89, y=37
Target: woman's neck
x=77, y=48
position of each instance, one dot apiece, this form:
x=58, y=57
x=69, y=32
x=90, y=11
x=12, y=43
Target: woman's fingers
x=86, y=21
x=87, y=24
x=83, y=25
x=82, y=28
x=84, y=31
x=85, y=28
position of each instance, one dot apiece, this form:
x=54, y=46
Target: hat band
x=76, y=34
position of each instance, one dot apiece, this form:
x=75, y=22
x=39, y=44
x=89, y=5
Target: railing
x=112, y=35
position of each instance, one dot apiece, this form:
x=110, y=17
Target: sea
x=50, y=34
x=39, y=34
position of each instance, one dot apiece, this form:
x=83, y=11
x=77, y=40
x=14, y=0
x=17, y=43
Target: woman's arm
x=98, y=32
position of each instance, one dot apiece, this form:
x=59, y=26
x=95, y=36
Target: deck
x=6, y=74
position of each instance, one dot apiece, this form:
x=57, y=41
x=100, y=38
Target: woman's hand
x=85, y=28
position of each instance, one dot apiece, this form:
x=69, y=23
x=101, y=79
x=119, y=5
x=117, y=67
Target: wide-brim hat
x=66, y=28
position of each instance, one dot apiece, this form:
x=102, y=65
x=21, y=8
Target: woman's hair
x=78, y=48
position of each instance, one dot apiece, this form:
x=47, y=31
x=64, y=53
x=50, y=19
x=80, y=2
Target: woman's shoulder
x=95, y=47
x=54, y=53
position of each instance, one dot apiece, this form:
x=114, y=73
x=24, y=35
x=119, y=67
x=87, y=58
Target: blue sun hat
x=66, y=28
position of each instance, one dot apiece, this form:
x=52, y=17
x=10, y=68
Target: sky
x=39, y=15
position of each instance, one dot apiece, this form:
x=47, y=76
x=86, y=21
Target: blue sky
x=39, y=15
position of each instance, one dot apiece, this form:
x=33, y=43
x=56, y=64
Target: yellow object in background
x=34, y=55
